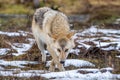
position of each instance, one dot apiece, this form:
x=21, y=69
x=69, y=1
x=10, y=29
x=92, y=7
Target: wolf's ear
x=70, y=34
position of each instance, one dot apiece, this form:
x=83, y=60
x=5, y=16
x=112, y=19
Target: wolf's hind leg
x=41, y=46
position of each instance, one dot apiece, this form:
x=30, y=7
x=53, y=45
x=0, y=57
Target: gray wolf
x=51, y=28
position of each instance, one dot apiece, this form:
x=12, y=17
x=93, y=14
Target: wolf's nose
x=62, y=62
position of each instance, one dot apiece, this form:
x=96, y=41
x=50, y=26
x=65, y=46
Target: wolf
x=51, y=28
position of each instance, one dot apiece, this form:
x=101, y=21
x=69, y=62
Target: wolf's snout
x=62, y=62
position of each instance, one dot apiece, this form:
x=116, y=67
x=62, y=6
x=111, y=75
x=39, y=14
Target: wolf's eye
x=58, y=50
x=66, y=50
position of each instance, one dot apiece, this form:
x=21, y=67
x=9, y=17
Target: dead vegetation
x=18, y=78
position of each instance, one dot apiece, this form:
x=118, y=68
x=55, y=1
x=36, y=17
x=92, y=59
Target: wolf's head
x=62, y=44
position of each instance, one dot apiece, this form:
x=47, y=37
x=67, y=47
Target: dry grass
x=19, y=78
x=66, y=6
x=105, y=2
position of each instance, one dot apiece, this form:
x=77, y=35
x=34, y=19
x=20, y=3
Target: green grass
x=15, y=9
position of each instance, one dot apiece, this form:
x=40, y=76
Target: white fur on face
x=70, y=44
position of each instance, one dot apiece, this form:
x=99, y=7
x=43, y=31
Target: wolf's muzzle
x=62, y=62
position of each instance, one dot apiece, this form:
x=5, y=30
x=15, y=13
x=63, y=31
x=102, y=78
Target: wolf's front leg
x=55, y=60
x=60, y=66
x=41, y=46
x=52, y=66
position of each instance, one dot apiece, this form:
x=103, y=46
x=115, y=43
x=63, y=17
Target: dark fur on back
x=39, y=15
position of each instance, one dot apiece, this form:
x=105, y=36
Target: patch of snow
x=117, y=21
x=114, y=45
x=31, y=40
x=13, y=33
x=93, y=29
x=109, y=31
x=6, y=73
x=109, y=48
x=4, y=51
x=76, y=63
x=85, y=45
x=22, y=73
x=93, y=70
x=16, y=63
x=21, y=48
x=75, y=51
x=95, y=74
x=69, y=74
x=74, y=74
x=1, y=68
x=30, y=73
x=118, y=76
x=118, y=56
x=107, y=69
x=104, y=38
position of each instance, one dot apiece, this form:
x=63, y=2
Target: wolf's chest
x=41, y=35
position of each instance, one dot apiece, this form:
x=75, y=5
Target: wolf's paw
x=51, y=69
x=63, y=69
x=44, y=62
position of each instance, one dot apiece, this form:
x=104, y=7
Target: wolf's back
x=39, y=15
x=51, y=21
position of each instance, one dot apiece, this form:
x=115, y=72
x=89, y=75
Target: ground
x=95, y=57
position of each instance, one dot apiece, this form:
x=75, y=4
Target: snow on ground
x=4, y=51
x=66, y=75
x=75, y=51
x=22, y=47
x=19, y=33
x=118, y=56
x=20, y=73
x=92, y=73
x=16, y=63
x=112, y=35
x=94, y=29
x=68, y=62
x=74, y=74
x=109, y=34
x=117, y=21
x=76, y=63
